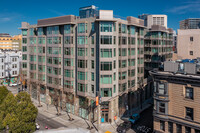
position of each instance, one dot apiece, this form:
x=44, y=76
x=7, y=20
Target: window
x=187, y=130
x=162, y=125
x=68, y=62
x=189, y=92
x=68, y=40
x=82, y=75
x=170, y=127
x=106, y=79
x=189, y=113
x=82, y=87
x=161, y=88
x=24, y=32
x=41, y=40
x=106, y=66
x=123, y=28
x=24, y=40
x=68, y=29
x=106, y=39
x=82, y=40
x=82, y=51
x=92, y=88
x=191, y=52
x=106, y=26
x=92, y=40
x=124, y=40
x=114, y=88
x=82, y=28
x=69, y=73
x=92, y=64
x=82, y=63
x=106, y=53
x=49, y=40
x=106, y=92
x=92, y=76
x=40, y=31
x=32, y=40
x=191, y=39
x=92, y=52
x=68, y=51
x=92, y=26
x=56, y=40
x=24, y=48
x=161, y=107
x=178, y=128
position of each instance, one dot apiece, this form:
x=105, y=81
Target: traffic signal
x=97, y=101
x=115, y=117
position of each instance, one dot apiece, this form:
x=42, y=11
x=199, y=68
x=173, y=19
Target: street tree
x=18, y=113
x=3, y=93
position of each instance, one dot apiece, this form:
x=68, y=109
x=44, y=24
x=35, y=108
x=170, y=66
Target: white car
x=13, y=84
x=37, y=126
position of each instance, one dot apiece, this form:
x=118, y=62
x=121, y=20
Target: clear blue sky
x=13, y=12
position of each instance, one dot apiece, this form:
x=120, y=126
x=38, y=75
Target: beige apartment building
x=188, y=43
x=176, y=98
x=80, y=58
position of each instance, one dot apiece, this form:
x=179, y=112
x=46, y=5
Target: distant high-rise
x=88, y=11
x=150, y=20
x=190, y=23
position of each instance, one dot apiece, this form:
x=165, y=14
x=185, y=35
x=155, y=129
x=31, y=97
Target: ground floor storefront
x=85, y=107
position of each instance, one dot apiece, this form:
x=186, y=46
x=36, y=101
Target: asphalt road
x=44, y=121
x=145, y=123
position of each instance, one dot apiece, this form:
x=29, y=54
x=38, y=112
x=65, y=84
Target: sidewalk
x=77, y=122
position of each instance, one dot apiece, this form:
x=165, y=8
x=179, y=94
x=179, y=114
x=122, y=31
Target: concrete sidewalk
x=77, y=122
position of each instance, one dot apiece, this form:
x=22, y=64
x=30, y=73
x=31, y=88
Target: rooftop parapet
x=69, y=19
x=135, y=21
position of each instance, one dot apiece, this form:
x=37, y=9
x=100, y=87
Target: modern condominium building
x=190, y=23
x=78, y=58
x=176, y=98
x=158, y=46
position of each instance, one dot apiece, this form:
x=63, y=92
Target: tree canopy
x=18, y=113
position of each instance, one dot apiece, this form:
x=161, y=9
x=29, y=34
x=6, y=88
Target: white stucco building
x=9, y=65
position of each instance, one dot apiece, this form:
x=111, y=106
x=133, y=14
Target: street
x=44, y=122
x=145, y=123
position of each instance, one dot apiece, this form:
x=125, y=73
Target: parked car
x=123, y=127
x=13, y=84
x=133, y=118
x=37, y=126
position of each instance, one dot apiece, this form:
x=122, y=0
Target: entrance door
x=104, y=112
